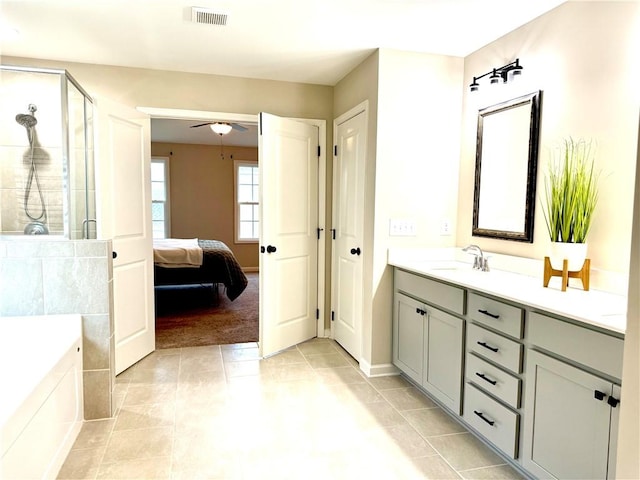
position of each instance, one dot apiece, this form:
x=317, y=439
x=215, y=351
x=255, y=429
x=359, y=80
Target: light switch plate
x=402, y=227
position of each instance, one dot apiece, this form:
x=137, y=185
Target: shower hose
x=33, y=174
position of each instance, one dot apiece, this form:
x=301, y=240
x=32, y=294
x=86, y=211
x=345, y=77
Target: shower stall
x=47, y=179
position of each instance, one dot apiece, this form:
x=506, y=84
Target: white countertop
x=602, y=309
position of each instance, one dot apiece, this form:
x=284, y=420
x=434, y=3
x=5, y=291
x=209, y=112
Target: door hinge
x=317, y=314
x=333, y=233
x=319, y=230
x=335, y=150
x=318, y=150
x=333, y=315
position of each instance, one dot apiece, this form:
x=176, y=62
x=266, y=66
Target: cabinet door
x=408, y=336
x=443, y=358
x=567, y=427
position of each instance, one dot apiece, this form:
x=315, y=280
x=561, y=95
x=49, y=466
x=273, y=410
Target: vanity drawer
x=497, y=315
x=594, y=349
x=437, y=293
x=494, y=421
x=494, y=380
x=498, y=349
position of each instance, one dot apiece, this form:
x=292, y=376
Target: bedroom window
x=247, y=201
x=160, y=212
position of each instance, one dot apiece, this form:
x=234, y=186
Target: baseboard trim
x=250, y=269
x=378, y=370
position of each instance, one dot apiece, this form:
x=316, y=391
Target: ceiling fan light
x=220, y=128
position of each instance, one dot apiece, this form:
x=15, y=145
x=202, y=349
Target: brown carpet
x=191, y=316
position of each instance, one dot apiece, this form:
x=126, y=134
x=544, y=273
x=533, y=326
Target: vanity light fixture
x=496, y=74
x=221, y=128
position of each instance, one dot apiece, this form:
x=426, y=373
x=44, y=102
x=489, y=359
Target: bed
x=219, y=266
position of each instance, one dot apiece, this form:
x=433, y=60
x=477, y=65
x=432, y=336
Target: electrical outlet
x=445, y=227
x=402, y=227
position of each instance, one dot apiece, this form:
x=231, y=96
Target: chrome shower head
x=26, y=120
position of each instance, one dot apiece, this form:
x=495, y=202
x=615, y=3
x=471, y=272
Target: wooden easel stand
x=582, y=274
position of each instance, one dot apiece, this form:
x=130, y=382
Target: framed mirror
x=506, y=166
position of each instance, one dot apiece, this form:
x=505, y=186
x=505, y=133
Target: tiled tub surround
x=534, y=371
x=41, y=407
x=51, y=277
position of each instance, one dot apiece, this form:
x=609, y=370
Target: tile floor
x=220, y=412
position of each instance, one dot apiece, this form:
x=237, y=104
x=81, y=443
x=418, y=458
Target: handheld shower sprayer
x=38, y=224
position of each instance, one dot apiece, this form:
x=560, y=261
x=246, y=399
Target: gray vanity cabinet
x=569, y=420
x=572, y=400
x=443, y=363
x=408, y=336
x=542, y=389
x=427, y=341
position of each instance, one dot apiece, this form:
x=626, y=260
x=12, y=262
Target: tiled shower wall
x=46, y=277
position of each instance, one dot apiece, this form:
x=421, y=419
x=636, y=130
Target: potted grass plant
x=571, y=196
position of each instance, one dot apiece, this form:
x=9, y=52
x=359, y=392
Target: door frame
x=203, y=115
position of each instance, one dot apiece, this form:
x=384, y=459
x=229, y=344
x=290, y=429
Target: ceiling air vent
x=208, y=16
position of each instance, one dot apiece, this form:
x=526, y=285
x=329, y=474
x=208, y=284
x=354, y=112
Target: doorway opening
x=217, y=301
x=226, y=152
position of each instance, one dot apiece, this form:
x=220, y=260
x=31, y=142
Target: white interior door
x=348, y=221
x=288, y=159
x=123, y=143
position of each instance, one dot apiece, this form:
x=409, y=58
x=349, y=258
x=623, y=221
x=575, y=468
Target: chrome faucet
x=480, y=262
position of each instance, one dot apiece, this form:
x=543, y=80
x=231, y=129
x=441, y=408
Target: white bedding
x=177, y=252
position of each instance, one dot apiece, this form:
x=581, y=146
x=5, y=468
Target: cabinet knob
x=598, y=395
x=613, y=402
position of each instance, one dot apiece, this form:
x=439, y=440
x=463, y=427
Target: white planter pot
x=576, y=253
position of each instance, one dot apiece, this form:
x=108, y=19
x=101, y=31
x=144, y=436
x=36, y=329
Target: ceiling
x=307, y=41
x=179, y=131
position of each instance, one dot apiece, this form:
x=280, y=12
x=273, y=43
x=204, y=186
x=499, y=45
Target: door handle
x=355, y=251
x=271, y=249
x=114, y=254
x=262, y=249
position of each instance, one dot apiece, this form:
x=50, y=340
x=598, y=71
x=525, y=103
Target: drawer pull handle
x=483, y=344
x=484, y=377
x=490, y=422
x=488, y=314
x=613, y=401
x=420, y=311
x=598, y=395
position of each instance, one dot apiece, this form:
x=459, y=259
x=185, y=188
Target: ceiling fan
x=222, y=128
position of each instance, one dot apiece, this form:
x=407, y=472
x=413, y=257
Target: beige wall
x=202, y=194
x=629, y=435
x=416, y=98
x=359, y=85
x=582, y=55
